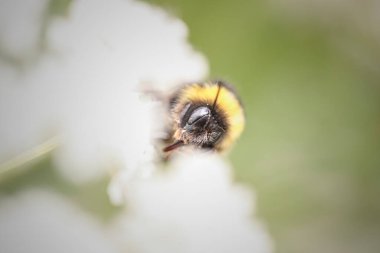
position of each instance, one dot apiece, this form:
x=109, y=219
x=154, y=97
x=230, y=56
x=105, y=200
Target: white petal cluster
x=45, y=222
x=85, y=89
x=193, y=208
x=20, y=27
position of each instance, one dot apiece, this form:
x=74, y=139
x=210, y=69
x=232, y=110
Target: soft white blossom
x=20, y=26
x=85, y=89
x=45, y=222
x=193, y=207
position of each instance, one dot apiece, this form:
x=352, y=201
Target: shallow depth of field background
x=308, y=73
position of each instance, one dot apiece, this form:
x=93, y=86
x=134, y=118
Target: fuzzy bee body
x=205, y=115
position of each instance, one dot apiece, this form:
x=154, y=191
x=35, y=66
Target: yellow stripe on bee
x=227, y=102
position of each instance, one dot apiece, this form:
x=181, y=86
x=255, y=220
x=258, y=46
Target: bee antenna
x=216, y=98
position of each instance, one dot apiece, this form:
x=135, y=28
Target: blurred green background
x=309, y=75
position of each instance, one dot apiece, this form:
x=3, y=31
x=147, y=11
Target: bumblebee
x=206, y=115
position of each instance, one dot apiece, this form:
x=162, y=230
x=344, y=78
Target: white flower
x=44, y=222
x=194, y=207
x=20, y=27
x=85, y=89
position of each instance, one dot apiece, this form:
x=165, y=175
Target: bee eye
x=198, y=119
x=199, y=114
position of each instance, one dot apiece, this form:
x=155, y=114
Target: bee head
x=206, y=116
x=201, y=126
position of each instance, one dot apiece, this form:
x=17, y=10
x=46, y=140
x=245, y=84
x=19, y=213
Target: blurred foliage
x=91, y=196
x=311, y=148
